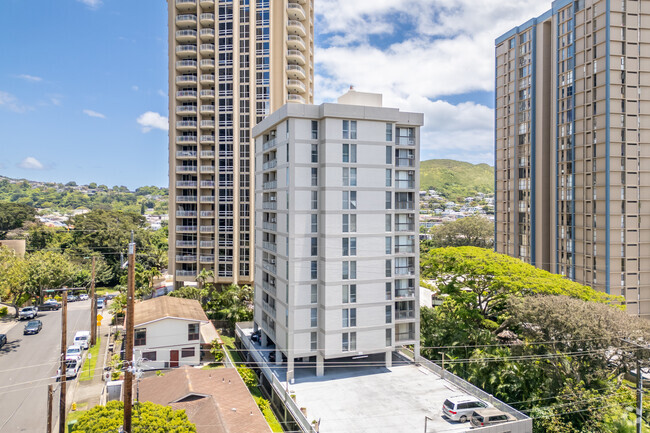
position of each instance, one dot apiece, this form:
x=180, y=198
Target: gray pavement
x=28, y=363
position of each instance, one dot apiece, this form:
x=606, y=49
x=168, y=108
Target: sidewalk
x=88, y=393
x=9, y=321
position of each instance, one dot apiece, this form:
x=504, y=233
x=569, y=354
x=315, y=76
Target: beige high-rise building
x=572, y=145
x=231, y=63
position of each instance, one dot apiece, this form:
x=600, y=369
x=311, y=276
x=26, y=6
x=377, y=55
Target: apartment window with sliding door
x=314, y=200
x=350, y=129
x=389, y=132
x=314, y=176
x=314, y=294
x=349, y=293
x=314, y=246
x=314, y=317
x=314, y=130
x=314, y=153
x=389, y=177
x=314, y=270
x=389, y=201
x=349, y=153
x=314, y=223
x=314, y=341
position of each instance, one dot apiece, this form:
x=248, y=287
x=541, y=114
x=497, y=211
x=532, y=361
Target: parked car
x=72, y=298
x=272, y=357
x=72, y=369
x=3, y=340
x=33, y=327
x=256, y=336
x=100, y=303
x=82, y=339
x=460, y=408
x=49, y=305
x=487, y=417
x=74, y=352
x=83, y=297
x=28, y=313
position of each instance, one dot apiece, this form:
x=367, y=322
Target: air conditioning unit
x=273, y=261
x=411, y=173
x=411, y=156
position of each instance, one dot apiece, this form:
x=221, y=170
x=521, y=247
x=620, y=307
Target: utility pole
x=50, y=392
x=93, y=308
x=639, y=395
x=130, y=334
x=64, y=342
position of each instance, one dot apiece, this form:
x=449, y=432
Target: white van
x=82, y=339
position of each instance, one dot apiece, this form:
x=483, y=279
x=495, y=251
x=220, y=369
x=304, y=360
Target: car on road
x=74, y=352
x=49, y=305
x=72, y=298
x=33, y=327
x=100, y=303
x=460, y=408
x=72, y=369
x=488, y=417
x=3, y=340
x=83, y=297
x=82, y=339
x=28, y=313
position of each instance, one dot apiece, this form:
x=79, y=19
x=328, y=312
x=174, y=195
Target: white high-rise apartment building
x=336, y=211
x=231, y=63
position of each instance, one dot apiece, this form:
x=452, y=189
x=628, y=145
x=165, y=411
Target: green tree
x=234, y=304
x=14, y=215
x=190, y=292
x=13, y=278
x=48, y=270
x=473, y=231
x=147, y=417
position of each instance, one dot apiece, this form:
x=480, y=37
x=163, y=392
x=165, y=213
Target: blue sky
x=83, y=83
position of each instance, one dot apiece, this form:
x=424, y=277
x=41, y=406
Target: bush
x=4, y=311
x=248, y=375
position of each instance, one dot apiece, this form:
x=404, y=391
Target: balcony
x=186, y=79
x=268, y=165
x=207, y=123
x=207, y=199
x=207, y=4
x=207, y=154
x=294, y=27
x=207, y=65
x=185, y=184
x=186, y=109
x=186, y=95
x=186, y=229
x=270, y=246
x=186, y=154
x=182, y=274
x=270, y=185
x=269, y=266
x=207, y=94
x=185, y=259
x=207, y=244
x=405, y=162
x=208, y=184
x=404, y=227
x=405, y=184
x=269, y=288
x=296, y=56
x=186, y=20
x=183, y=5
x=207, y=214
x=186, y=36
x=207, y=35
x=297, y=99
x=207, y=109
x=207, y=78
x=207, y=139
x=407, y=292
x=404, y=315
x=186, y=124
x=186, y=213
x=186, y=244
x=207, y=259
x=295, y=43
x=404, y=270
x=186, y=139
x=401, y=337
x=296, y=12
x=186, y=169
x=294, y=72
x=405, y=248
x=271, y=205
x=207, y=169
x=186, y=50
x=405, y=141
x=207, y=48
x=207, y=229
x=296, y=86
x=270, y=226
x=405, y=205
x=207, y=19
x=269, y=309
x=186, y=199
x=269, y=144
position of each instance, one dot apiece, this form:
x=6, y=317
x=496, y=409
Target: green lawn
x=88, y=370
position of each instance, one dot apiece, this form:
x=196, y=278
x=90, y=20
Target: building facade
x=230, y=64
x=336, y=267
x=572, y=153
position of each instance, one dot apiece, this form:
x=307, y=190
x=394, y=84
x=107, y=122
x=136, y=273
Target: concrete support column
x=416, y=349
x=264, y=340
x=389, y=358
x=320, y=365
x=290, y=369
x=278, y=357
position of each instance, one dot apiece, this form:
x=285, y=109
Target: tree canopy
x=473, y=231
x=147, y=417
x=14, y=215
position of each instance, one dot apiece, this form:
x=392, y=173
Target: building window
x=389, y=155
x=314, y=293
x=349, y=270
x=349, y=153
x=314, y=153
x=314, y=340
x=314, y=200
x=314, y=246
x=389, y=338
x=314, y=130
x=389, y=177
x=389, y=132
x=314, y=223
x=349, y=293
x=349, y=341
x=389, y=316
x=140, y=337
x=388, y=244
x=314, y=270
x=388, y=268
x=388, y=224
x=193, y=331
x=349, y=223
x=350, y=129
x=389, y=292
x=349, y=317
x=314, y=176
x=314, y=317
x=149, y=356
x=349, y=246
x=187, y=352
x=349, y=176
x=349, y=200
x=389, y=203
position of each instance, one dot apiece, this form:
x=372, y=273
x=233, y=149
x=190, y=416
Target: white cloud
x=162, y=93
x=152, y=120
x=92, y=113
x=93, y=4
x=135, y=88
x=30, y=77
x=11, y=103
x=31, y=163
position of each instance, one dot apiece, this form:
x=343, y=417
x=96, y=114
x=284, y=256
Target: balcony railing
x=296, y=98
x=270, y=164
x=296, y=83
x=186, y=244
x=297, y=25
x=207, y=259
x=185, y=259
x=207, y=214
x=270, y=205
x=405, y=184
x=207, y=93
x=269, y=144
x=186, y=228
x=207, y=123
x=406, y=141
x=207, y=229
x=186, y=199
x=207, y=63
x=185, y=18
x=269, y=267
x=404, y=314
x=207, y=108
x=270, y=226
x=207, y=139
x=207, y=154
x=270, y=246
x=186, y=94
x=404, y=336
x=270, y=185
x=404, y=227
x=186, y=63
x=186, y=124
x=206, y=32
x=408, y=292
x=186, y=109
x=207, y=244
x=404, y=270
x=186, y=213
x=269, y=288
x=186, y=169
x=269, y=309
x=408, y=205
x=186, y=273
x=207, y=199
x=186, y=154
x=406, y=248
x=186, y=49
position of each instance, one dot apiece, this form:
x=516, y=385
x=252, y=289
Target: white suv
x=460, y=408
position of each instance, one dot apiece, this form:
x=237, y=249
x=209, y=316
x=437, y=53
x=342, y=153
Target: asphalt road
x=28, y=364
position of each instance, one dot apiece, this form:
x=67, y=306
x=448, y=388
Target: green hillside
x=456, y=180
